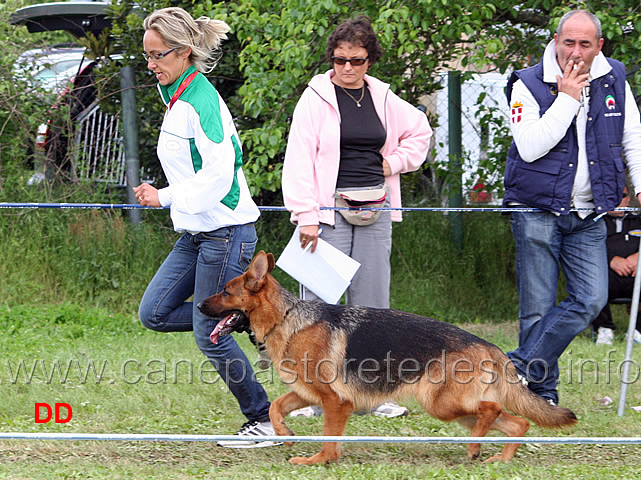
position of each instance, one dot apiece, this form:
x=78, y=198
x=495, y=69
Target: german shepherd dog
x=347, y=358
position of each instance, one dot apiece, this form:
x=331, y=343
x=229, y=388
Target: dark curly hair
x=358, y=32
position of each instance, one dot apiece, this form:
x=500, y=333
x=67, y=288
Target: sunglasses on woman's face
x=356, y=62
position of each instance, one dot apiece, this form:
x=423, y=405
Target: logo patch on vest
x=610, y=103
x=517, y=112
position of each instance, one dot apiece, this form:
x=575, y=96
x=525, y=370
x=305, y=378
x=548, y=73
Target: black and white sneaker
x=254, y=430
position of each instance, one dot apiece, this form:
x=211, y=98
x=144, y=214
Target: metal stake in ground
x=634, y=309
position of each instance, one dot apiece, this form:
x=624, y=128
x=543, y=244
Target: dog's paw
x=320, y=457
x=473, y=451
x=301, y=461
x=496, y=458
x=283, y=430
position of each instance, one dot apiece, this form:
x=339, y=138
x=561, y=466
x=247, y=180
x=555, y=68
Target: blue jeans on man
x=545, y=245
x=201, y=265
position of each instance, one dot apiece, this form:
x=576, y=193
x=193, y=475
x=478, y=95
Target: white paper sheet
x=327, y=272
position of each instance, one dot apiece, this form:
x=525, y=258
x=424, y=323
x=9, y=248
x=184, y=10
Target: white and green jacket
x=201, y=155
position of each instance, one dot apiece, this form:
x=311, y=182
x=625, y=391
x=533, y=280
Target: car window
x=58, y=72
x=50, y=68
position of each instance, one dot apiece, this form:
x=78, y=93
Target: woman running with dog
x=351, y=138
x=209, y=201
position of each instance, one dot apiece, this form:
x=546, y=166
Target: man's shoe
x=389, y=410
x=605, y=336
x=253, y=430
x=637, y=336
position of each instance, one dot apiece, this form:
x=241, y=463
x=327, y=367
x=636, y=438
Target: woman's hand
x=309, y=234
x=147, y=195
x=387, y=171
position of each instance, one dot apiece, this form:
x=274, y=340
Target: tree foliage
x=282, y=45
x=275, y=48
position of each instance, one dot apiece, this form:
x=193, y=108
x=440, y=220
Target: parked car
x=50, y=67
x=78, y=141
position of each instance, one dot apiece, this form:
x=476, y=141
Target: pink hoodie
x=313, y=147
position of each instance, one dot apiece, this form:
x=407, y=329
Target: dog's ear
x=258, y=270
x=271, y=263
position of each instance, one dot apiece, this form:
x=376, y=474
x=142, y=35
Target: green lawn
x=121, y=378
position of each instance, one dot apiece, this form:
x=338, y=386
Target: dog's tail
x=520, y=400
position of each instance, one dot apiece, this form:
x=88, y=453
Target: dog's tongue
x=213, y=336
x=215, y=333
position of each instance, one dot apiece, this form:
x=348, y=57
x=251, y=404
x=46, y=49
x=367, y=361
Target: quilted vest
x=547, y=182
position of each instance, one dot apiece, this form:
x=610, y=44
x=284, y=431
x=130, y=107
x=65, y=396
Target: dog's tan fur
x=307, y=341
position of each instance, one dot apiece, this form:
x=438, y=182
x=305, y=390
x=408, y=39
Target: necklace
x=358, y=102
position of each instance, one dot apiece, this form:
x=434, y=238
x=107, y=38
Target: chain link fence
x=484, y=134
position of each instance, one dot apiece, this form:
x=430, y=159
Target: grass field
x=121, y=378
x=69, y=291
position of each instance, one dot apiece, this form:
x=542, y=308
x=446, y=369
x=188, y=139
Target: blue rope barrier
x=133, y=206
x=142, y=437
x=63, y=206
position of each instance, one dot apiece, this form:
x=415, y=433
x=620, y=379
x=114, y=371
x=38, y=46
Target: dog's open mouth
x=228, y=324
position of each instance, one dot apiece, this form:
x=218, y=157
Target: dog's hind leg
x=512, y=426
x=480, y=422
x=280, y=408
x=336, y=413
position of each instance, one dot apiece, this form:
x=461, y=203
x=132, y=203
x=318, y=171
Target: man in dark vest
x=573, y=117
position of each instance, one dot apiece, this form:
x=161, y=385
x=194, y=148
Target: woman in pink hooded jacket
x=351, y=132
x=351, y=136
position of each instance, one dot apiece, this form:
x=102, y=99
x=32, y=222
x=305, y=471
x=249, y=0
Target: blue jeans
x=200, y=265
x=546, y=243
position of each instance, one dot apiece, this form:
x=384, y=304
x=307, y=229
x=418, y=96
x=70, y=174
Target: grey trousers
x=369, y=245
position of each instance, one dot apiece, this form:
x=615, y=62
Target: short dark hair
x=358, y=32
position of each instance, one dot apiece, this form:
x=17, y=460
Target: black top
x=362, y=137
x=622, y=244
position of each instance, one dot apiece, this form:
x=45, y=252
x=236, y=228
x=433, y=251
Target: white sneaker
x=637, y=336
x=254, y=430
x=311, y=411
x=390, y=410
x=522, y=379
x=605, y=336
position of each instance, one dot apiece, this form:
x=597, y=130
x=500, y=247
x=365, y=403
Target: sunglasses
x=356, y=62
x=157, y=56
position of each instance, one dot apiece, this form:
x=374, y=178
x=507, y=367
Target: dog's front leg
x=280, y=408
x=336, y=412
